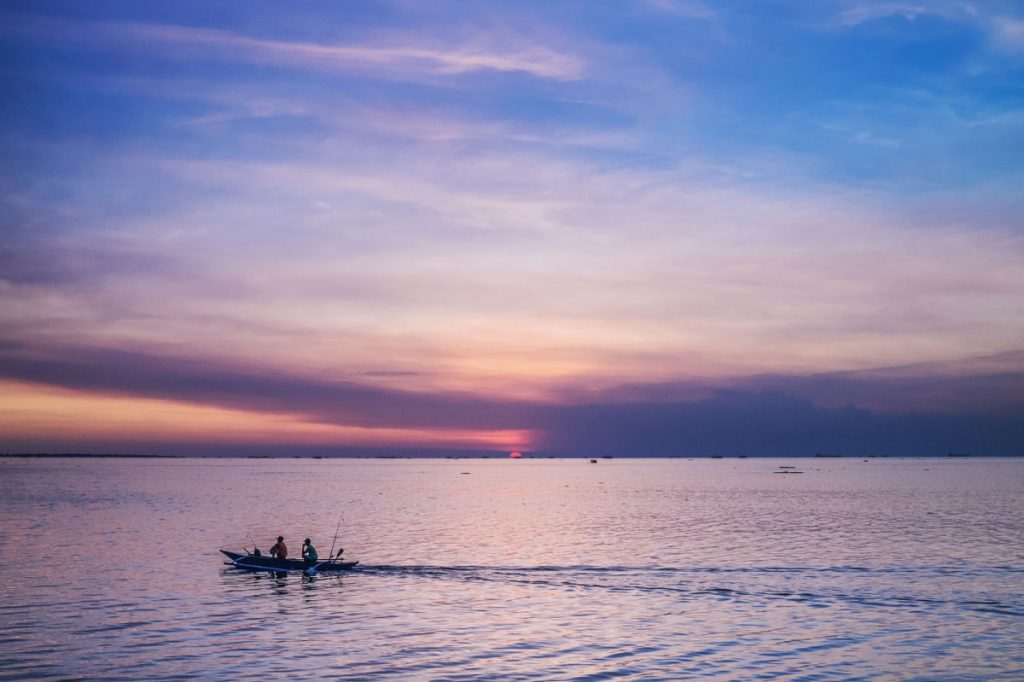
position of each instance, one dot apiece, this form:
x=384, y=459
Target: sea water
x=875, y=569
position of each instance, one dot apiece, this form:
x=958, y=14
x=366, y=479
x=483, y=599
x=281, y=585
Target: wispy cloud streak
x=394, y=59
x=858, y=12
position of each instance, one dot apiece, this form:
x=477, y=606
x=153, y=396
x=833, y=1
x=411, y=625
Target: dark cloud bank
x=759, y=416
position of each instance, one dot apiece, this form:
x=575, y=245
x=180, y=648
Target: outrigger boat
x=251, y=562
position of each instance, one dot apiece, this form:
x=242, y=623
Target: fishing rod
x=331, y=553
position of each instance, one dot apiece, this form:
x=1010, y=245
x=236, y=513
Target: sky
x=650, y=228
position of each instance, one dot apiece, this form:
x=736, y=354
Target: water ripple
x=634, y=570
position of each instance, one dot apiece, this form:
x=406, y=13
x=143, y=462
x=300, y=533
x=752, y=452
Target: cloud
x=687, y=9
x=241, y=387
x=768, y=416
x=458, y=264
x=769, y=424
x=62, y=262
x=988, y=385
x=1001, y=23
x=397, y=56
x=1008, y=33
x=856, y=13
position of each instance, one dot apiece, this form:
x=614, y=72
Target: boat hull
x=266, y=563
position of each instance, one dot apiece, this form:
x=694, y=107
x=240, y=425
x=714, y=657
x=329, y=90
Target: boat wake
x=815, y=587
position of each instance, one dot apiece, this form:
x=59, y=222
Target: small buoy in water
x=593, y=461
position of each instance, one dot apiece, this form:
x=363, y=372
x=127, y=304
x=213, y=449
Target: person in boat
x=309, y=552
x=279, y=550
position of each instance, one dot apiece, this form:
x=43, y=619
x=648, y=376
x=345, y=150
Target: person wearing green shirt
x=309, y=552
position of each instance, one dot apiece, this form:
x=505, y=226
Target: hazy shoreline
x=50, y=455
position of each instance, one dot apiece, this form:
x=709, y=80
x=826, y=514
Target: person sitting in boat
x=279, y=550
x=309, y=552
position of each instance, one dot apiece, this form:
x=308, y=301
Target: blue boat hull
x=251, y=562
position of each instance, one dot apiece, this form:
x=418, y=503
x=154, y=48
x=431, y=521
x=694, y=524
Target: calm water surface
x=534, y=569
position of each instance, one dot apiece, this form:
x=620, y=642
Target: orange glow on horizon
x=35, y=411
